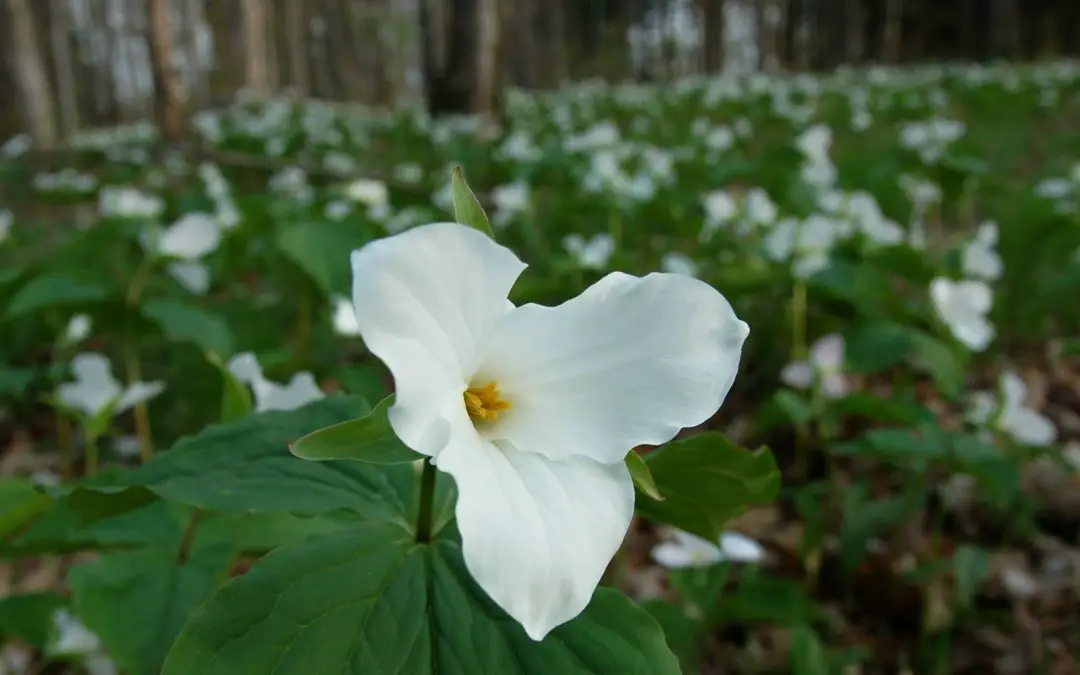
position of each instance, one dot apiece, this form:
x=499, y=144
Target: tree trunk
x=486, y=58
x=712, y=19
x=451, y=88
x=1007, y=24
x=256, y=53
x=30, y=75
x=295, y=31
x=853, y=32
x=168, y=89
x=60, y=37
x=891, y=33
x=771, y=27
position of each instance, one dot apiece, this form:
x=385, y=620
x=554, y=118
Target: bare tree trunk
x=30, y=75
x=256, y=73
x=60, y=36
x=712, y=19
x=295, y=25
x=1007, y=22
x=168, y=89
x=891, y=33
x=853, y=32
x=487, y=45
x=772, y=27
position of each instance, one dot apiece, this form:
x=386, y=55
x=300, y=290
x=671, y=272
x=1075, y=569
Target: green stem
x=92, y=462
x=63, y=439
x=142, y=414
x=427, y=500
x=303, y=329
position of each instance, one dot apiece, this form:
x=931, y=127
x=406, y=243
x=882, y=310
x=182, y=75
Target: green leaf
x=706, y=480
x=245, y=466
x=181, y=322
x=971, y=567
x=939, y=360
x=807, y=652
x=467, y=208
x=643, y=478
x=236, y=400
x=20, y=502
x=322, y=251
x=366, y=439
x=137, y=602
x=371, y=600
x=15, y=382
x=795, y=407
x=29, y=617
x=54, y=290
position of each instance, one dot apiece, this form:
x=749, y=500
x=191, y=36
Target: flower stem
x=427, y=500
x=91, y=461
x=142, y=415
x=63, y=439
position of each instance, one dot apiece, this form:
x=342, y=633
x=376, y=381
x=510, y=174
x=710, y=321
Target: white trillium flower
x=980, y=258
x=78, y=329
x=675, y=262
x=95, y=388
x=532, y=409
x=593, y=253
x=963, y=306
x=75, y=641
x=191, y=237
x=1011, y=413
x=824, y=369
x=688, y=550
x=301, y=389
x=345, y=317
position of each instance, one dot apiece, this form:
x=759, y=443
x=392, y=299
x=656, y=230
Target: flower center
x=484, y=404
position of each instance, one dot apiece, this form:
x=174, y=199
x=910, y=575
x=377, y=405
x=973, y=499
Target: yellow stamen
x=484, y=404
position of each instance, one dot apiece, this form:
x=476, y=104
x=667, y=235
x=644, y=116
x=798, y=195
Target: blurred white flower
x=932, y=137
x=980, y=258
x=301, y=389
x=687, y=550
x=675, y=262
x=337, y=209
x=75, y=641
x=368, y=192
x=1009, y=412
x=129, y=202
x=409, y=173
x=95, y=388
x=818, y=169
x=510, y=201
x=345, y=317
x=962, y=306
x=591, y=254
x=78, y=329
x=191, y=237
x=805, y=245
x=720, y=209
x=824, y=370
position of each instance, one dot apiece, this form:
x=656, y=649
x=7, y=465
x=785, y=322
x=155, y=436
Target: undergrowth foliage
x=204, y=471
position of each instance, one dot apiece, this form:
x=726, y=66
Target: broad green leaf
x=54, y=290
x=706, y=480
x=371, y=600
x=138, y=601
x=20, y=502
x=236, y=400
x=467, y=208
x=245, y=467
x=971, y=567
x=15, y=382
x=643, y=478
x=807, y=652
x=366, y=439
x=939, y=360
x=181, y=322
x=29, y=617
x=321, y=249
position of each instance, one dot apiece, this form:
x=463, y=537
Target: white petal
x=1030, y=427
x=798, y=375
x=345, y=317
x=828, y=352
x=94, y=386
x=301, y=390
x=245, y=367
x=424, y=300
x=630, y=361
x=137, y=393
x=537, y=534
x=834, y=385
x=672, y=556
x=191, y=237
x=194, y=276
x=741, y=548
x=1013, y=391
x=976, y=333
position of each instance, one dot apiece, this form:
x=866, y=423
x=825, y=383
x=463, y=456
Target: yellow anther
x=484, y=403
